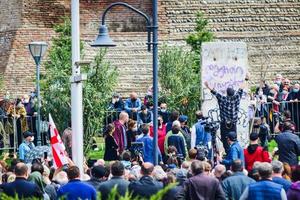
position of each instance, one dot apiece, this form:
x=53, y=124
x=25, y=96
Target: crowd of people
x=188, y=161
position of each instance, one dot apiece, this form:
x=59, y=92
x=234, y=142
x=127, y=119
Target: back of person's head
x=237, y=166
x=277, y=166
x=21, y=170
x=287, y=114
x=186, y=165
x=265, y=170
x=197, y=167
x=123, y=116
x=147, y=169
x=117, y=168
x=230, y=91
x=192, y=154
x=287, y=171
x=207, y=167
x=73, y=172
x=109, y=129
x=296, y=174
x=37, y=167
x=219, y=170
x=61, y=177
x=98, y=172
x=288, y=126
x=131, y=124
x=126, y=156
x=174, y=116
x=176, y=126
x=145, y=129
x=158, y=173
x=199, y=114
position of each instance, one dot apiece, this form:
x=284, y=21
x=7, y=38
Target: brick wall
x=270, y=28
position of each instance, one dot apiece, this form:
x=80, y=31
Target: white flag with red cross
x=57, y=146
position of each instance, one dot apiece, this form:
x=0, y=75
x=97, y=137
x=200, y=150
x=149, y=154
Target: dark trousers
x=225, y=129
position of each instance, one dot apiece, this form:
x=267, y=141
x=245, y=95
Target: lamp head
x=103, y=39
x=37, y=50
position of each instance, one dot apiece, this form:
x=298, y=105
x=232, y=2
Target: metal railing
x=12, y=129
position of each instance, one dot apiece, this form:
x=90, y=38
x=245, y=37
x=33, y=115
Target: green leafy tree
x=201, y=34
x=55, y=85
x=179, y=82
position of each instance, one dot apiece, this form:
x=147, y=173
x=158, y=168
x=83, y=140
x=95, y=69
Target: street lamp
x=103, y=40
x=38, y=50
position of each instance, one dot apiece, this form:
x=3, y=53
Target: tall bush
x=55, y=85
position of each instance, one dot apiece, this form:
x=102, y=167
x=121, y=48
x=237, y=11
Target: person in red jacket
x=162, y=132
x=254, y=153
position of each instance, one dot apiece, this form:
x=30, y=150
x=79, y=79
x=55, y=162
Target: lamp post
x=103, y=40
x=38, y=50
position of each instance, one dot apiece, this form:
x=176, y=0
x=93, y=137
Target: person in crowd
x=148, y=144
x=287, y=172
x=288, y=145
x=264, y=88
x=185, y=130
x=144, y=116
x=116, y=103
x=254, y=152
x=173, y=117
x=36, y=177
x=76, y=189
x=21, y=186
x=50, y=187
x=97, y=176
x=277, y=175
x=26, y=146
x=159, y=174
x=235, y=151
x=18, y=111
x=218, y=171
x=111, y=146
x=131, y=132
x=229, y=107
x=175, y=138
x=67, y=139
x=283, y=94
x=192, y=154
x=118, y=171
x=273, y=98
x=171, y=179
x=146, y=186
x=133, y=105
x=294, y=95
x=200, y=186
x=287, y=83
x=161, y=132
x=120, y=132
x=162, y=111
x=279, y=82
x=294, y=191
x=149, y=97
x=265, y=188
x=126, y=159
x=235, y=185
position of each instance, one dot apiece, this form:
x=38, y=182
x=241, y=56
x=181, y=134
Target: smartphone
x=45, y=155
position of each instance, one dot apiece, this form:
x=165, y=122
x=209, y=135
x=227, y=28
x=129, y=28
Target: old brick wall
x=271, y=29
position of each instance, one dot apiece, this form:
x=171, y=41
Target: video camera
x=202, y=152
x=210, y=126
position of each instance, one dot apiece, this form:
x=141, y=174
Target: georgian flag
x=57, y=146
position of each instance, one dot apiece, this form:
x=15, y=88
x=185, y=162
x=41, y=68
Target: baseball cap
x=182, y=118
x=232, y=136
x=27, y=134
x=143, y=107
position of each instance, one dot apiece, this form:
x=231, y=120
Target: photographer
x=199, y=136
x=229, y=107
x=148, y=144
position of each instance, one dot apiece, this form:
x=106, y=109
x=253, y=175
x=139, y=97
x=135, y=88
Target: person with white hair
x=264, y=188
x=175, y=138
x=159, y=174
x=277, y=175
x=133, y=105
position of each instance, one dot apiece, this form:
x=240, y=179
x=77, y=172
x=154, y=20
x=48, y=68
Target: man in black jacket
x=22, y=187
x=288, y=145
x=98, y=176
x=117, y=170
x=146, y=186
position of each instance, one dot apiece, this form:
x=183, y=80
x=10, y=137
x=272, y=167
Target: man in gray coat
x=235, y=185
x=117, y=170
